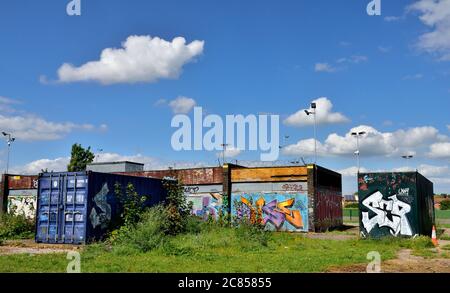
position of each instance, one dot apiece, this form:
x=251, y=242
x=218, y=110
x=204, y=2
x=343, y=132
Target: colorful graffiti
x=24, y=205
x=103, y=217
x=206, y=205
x=278, y=212
x=390, y=213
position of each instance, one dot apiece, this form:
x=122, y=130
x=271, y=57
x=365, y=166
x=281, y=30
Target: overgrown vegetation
x=445, y=205
x=79, y=158
x=353, y=205
x=15, y=227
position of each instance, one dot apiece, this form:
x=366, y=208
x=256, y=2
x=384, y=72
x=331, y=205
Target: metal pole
x=357, y=152
x=315, y=138
x=7, y=160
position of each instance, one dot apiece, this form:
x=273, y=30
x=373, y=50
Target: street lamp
x=407, y=158
x=224, y=146
x=9, y=140
x=99, y=153
x=313, y=112
x=358, y=153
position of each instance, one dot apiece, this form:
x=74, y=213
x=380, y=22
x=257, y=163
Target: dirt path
x=30, y=247
x=404, y=263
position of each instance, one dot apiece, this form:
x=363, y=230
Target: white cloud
x=392, y=18
x=413, y=76
x=433, y=171
x=436, y=15
x=324, y=67
x=384, y=49
x=142, y=59
x=305, y=148
x=373, y=143
x=230, y=152
x=60, y=164
x=353, y=59
x=31, y=127
x=351, y=171
x=182, y=105
x=324, y=115
x=440, y=150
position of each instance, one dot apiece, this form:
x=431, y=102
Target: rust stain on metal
x=22, y=182
x=272, y=174
x=200, y=176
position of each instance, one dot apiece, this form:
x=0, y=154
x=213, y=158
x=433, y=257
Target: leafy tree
x=80, y=157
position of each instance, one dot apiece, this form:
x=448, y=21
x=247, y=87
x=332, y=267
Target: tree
x=80, y=157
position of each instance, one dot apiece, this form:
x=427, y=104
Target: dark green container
x=397, y=204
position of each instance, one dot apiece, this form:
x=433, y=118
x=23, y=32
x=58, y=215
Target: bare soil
x=30, y=247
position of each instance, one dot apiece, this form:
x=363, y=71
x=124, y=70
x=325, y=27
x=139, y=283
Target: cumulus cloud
x=182, y=105
x=31, y=127
x=230, y=152
x=60, y=164
x=351, y=171
x=324, y=115
x=324, y=67
x=373, y=143
x=305, y=147
x=141, y=59
x=440, y=150
x=436, y=15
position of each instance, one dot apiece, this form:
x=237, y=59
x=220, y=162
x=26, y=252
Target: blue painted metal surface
x=81, y=207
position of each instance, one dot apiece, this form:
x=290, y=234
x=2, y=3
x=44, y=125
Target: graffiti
x=191, y=189
x=293, y=187
x=22, y=205
x=102, y=218
x=328, y=208
x=388, y=213
x=207, y=206
x=275, y=211
x=35, y=183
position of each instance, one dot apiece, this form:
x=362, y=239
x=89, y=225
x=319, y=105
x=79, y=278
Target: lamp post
x=224, y=146
x=358, y=153
x=314, y=112
x=407, y=158
x=9, y=140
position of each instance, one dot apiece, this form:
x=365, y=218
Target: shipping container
x=81, y=207
x=399, y=204
x=294, y=199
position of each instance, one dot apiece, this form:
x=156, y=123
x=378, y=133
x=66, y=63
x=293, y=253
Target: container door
x=61, y=208
x=74, y=205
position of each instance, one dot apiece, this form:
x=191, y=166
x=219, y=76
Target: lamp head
x=307, y=112
x=313, y=105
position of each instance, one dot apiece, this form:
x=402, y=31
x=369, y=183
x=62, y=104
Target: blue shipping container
x=81, y=207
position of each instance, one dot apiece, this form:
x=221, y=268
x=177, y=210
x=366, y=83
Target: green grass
x=220, y=250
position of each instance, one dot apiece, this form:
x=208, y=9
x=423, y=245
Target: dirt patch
x=404, y=263
x=350, y=232
x=30, y=247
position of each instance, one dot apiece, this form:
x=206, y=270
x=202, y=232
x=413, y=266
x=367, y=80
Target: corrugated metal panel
x=81, y=207
x=22, y=182
x=398, y=204
x=272, y=174
x=199, y=176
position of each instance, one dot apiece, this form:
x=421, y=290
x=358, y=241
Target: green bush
x=353, y=205
x=15, y=227
x=146, y=235
x=445, y=205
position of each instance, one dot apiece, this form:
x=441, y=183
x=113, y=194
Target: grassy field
x=220, y=250
x=440, y=215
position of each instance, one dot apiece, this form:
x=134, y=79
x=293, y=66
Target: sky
x=114, y=77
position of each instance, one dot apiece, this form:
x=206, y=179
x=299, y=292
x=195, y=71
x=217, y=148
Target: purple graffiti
x=273, y=215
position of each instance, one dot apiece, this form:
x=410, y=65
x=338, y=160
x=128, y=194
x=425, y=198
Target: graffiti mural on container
x=206, y=205
x=328, y=208
x=278, y=212
x=24, y=205
x=391, y=213
x=103, y=216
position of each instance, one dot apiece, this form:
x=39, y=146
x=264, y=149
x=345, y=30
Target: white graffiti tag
x=397, y=222
x=103, y=218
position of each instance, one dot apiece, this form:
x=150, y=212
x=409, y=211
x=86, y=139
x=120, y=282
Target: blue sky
x=389, y=73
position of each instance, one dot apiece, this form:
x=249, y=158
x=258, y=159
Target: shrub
x=178, y=209
x=353, y=205
x=445, y=205
x=146, y=235
x=15, y=227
